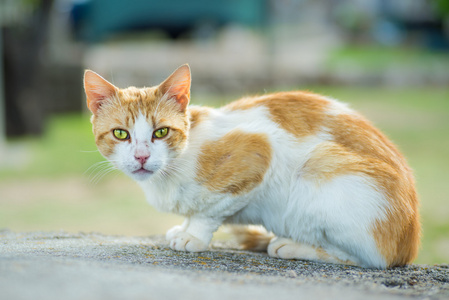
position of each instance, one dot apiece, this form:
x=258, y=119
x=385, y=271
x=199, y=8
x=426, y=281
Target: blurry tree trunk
x=23, y=67
x=2, y=96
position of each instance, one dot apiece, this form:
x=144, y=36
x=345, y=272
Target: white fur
x=337, y=215
x=336, y=107
x=141, y=136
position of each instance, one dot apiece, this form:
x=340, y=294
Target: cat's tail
x=255, y=238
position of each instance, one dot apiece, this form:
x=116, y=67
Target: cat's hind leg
x=289, y=249
x=257, y=238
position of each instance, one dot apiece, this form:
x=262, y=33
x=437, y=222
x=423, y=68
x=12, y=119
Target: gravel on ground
x=61, y=265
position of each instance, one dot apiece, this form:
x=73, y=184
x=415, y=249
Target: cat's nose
x=142, y=158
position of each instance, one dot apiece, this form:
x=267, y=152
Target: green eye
x=160, y=133
x=121, y=134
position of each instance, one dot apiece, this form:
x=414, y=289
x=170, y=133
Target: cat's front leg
x=197, y=235
x=176, y=229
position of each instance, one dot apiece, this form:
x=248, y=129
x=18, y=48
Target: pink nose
x=141, y=158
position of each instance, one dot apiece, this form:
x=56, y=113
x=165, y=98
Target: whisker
x=99, y=176
x=116, y=173
x=177, y=170
x=164, y=174
x=99, y=170
x=96, y=166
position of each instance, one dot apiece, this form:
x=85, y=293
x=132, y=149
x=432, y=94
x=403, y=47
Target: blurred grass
x=65, y=149
x=378, y=59
x=53, y=191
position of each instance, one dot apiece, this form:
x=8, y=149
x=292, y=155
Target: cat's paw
x=275, y=246
x=173, y=231
x=288, y=249
x=183, y=241
x=284, y=248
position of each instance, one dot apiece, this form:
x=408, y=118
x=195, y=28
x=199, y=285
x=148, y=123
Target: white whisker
x=99, y=170
x=88, y=151
x=177, y=169
x=99, y=176
x=96, y=166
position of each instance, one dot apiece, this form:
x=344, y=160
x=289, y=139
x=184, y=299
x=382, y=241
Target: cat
x=324, y=183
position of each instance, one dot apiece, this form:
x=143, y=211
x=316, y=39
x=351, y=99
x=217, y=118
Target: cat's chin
x=142, y=174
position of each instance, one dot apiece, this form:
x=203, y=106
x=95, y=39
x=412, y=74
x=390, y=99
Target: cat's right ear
x=177, y=86
x=97, y=90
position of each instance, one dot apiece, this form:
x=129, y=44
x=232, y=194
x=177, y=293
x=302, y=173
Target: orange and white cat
x=312, y=171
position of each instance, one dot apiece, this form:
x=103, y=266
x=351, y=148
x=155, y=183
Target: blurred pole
x=2, y=95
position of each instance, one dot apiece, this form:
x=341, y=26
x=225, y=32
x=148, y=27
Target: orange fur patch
x=255, y=238
x=355, y=133
x=234, y=164
x=330, y=160
x=299, y=113
x=197, y=115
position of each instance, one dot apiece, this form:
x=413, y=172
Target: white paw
x=183, y=241
x=173, y=231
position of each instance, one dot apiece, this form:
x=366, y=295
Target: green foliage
x=67, y=147
x=442, y=7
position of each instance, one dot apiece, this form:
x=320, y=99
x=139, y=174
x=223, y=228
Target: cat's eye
x=160, y=133
x=121, y=134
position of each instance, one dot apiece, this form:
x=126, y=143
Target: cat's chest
x=170, y=197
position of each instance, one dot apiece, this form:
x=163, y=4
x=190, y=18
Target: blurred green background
x=387, y=59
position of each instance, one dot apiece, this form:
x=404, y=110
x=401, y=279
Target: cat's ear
x=97, y=90
x=177, y=86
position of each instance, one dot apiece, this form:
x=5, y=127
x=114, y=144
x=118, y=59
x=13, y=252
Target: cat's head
x=140, y=130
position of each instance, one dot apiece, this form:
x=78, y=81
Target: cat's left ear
x=177, y=86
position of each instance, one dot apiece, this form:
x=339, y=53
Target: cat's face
x=140, y=130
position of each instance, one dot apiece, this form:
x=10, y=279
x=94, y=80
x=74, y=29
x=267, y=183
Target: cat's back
x=303, y=114
x=299, y=113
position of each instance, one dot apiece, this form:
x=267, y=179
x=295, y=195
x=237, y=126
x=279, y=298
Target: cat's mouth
x=143, y=171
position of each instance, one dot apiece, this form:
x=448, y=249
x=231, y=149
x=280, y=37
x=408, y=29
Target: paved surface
x=45, y=265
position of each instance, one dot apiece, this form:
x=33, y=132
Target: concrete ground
x=59, y=265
